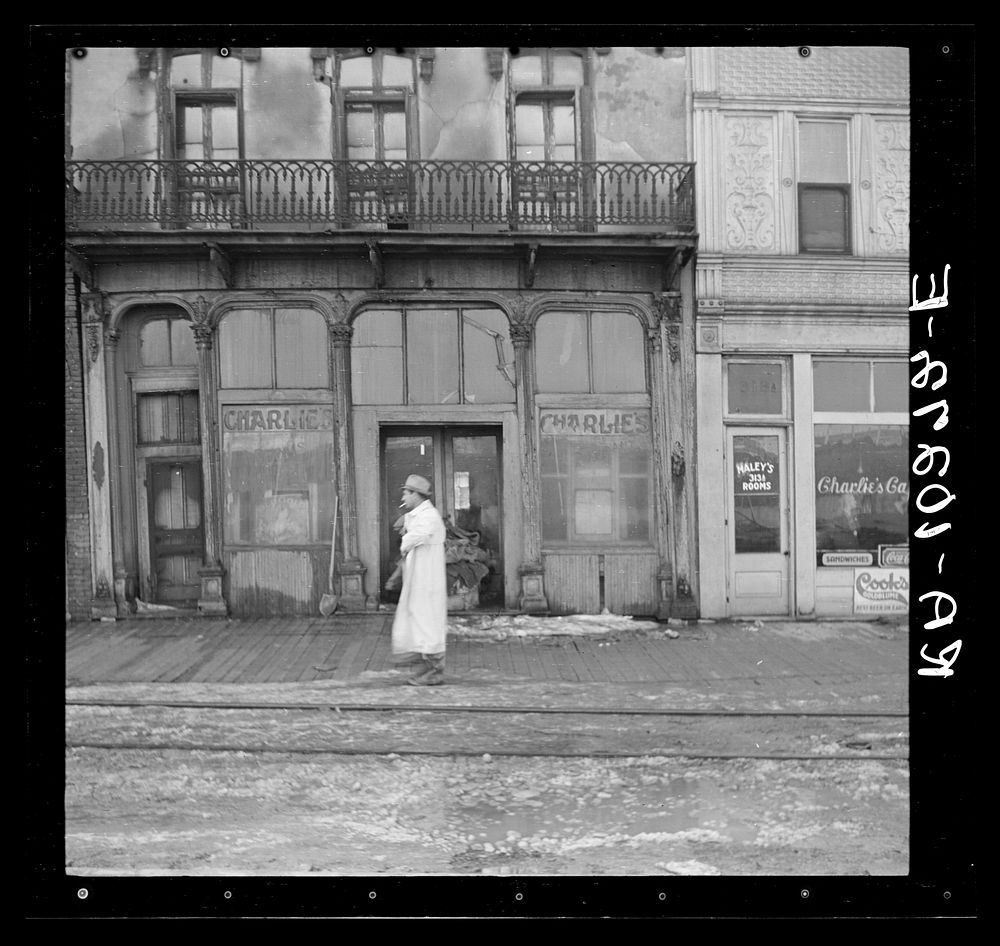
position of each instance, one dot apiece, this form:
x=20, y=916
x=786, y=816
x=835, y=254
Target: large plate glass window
x=861, y=455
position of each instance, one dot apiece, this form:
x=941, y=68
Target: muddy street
x=163, y=790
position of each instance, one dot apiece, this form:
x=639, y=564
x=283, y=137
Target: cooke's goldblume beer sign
x=881, y=590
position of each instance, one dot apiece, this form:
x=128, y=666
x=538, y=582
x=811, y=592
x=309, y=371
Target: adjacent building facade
x=802, y=329
x=639, y=314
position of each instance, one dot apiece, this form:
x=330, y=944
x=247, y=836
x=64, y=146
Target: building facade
x=639, y=314
x=802, y=329
x=297, y=275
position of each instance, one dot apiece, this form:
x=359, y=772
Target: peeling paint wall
x=640, y=104
x=463, y=110
x=113, y=112
x=286, y=112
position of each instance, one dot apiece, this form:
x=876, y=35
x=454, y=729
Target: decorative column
x=532, y=570
x=210, y=601
x=661, y=491
x=679, y=428
x=351, y=569
x=95, y=390
x=111, y=340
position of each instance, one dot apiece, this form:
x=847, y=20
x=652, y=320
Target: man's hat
x=418, y=484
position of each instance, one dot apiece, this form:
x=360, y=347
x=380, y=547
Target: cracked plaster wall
x=113, y=112
x=463, y=111
x=640, y=105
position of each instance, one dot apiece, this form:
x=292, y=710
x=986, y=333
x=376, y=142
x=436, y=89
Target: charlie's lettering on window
x=296, y=417
x=595, y=422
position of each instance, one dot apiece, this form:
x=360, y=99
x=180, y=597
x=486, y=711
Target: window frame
x=258, y=392
x=377, y=94
x=871, y=416
x=574, y=483
x=590, y=392
x=756, y=419
x=459, y=310
x=845, y=188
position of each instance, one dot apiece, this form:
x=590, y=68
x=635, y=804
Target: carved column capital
x=341, y=334
x=667, y=306
x=200, y=325
x=519, y=309
x=94, y=307
x=520, y=335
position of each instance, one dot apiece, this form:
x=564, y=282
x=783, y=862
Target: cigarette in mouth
x=402, y=505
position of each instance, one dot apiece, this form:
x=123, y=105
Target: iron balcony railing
x=428, y=195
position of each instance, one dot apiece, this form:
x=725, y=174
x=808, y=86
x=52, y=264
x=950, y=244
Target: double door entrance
x=463, y=466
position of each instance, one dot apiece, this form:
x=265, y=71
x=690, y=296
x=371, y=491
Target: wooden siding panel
x=271, y=582
x=572, y=583
x=630, y=583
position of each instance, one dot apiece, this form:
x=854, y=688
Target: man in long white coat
x=420, y=624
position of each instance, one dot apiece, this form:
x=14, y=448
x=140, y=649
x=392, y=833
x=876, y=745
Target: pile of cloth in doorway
x=467, y=563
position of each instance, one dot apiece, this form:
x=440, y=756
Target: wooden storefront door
x=176, y=537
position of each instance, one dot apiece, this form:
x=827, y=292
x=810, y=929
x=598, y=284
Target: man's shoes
x=432, y=675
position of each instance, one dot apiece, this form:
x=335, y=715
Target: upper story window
x=546, y=85
x=374, y=98
x=824, y=187
x=167, y=343
x=432, y=356
x=206, y=88
x=589, y=353
x=269, y=348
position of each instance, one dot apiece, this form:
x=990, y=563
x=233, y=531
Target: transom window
x=755, y=388
x=460, y=355
x=273, y=348
x=861, y=387
x=167, y=343
x=589, y=352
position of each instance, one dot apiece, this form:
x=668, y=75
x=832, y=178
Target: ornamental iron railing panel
x=322, y=194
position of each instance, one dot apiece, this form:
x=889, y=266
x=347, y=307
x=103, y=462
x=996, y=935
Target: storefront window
x=596, y=476
x=862, y=486
x=279, y=474
x=589, y=353
x=862, y=457
x=432, y=356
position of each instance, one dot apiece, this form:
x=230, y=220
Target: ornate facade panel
x=892, y=186
x=828, y=72
x=817, y=287
x=749, y=183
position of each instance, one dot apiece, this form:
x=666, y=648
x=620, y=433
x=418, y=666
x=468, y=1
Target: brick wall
x=78, y=575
